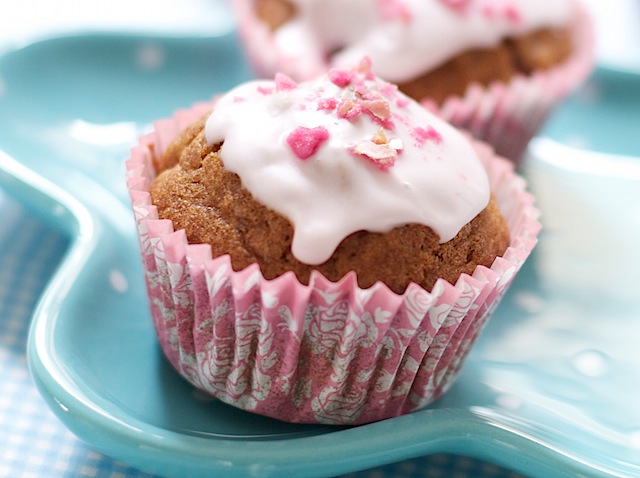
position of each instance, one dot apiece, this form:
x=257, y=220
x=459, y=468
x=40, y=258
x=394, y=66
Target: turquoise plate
x=550, y=389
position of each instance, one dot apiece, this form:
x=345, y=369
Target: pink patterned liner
x=506, y=116
x=329, y=352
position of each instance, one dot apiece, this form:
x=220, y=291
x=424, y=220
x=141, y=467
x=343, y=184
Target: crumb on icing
x=489, y=11
x=381, y=151
x=512, y=13
x=360, y=98
x=423, y=135
x=327, y=104
x=366, y=100
x=349, y=109
x=265, y=90
x=365, y=68
x=460, y=6
x=382, y=155
x=388, y=89
x=391, y=10
x=304, y=142
x=341, y=78
x=379, y=137
x=378, y=107
x=283, y=82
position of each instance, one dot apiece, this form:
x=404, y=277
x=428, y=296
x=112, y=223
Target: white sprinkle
x=150, y=57
x=118, y=281
x=590, y=363
x=509, y=402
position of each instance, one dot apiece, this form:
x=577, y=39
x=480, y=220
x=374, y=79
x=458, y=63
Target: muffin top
x=404, y=38
x=344, y=173
x=345, y=153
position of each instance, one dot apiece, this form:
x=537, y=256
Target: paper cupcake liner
x=327, y=352
x=505, y=115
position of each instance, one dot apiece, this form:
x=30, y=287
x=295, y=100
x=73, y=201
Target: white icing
x=406, y=38
x=436, y=180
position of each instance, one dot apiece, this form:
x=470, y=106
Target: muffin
x=323, y=252
x=493, y=67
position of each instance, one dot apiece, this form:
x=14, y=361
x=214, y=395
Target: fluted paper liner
x=505, y=115
x=327, y=352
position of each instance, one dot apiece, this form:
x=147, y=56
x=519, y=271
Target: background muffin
x=519, y=45
x=449, y=54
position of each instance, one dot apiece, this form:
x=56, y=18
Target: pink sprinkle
x=379, y=111
x=402, y=102
x=512, y=13
x=402, y=119
x=378, y=108
x=305, y=141
x=348, y=109
x=362, y=90
x=422, y=135
x=382, y=155
x=265, y=90
x=364, y=67
x=283, y=82
x=395, y=10
x=430, y=106
x=327, y=104
x=459, y=5
x=370, y=95
x=239, y=99
x=340, y=78
x=388, y=89
x=385, y=123
x=489, y=11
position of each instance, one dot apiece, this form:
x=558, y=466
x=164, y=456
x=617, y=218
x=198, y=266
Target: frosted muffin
x=323, y=252
x=341, y=180
x=436, y=51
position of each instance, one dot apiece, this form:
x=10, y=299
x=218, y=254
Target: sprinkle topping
x=283, y=82
x=344, y=153
x=513, y=14
x=422, y=135
x=395, y=10
x=341, y=78
x=457, y=5
x=305, y=141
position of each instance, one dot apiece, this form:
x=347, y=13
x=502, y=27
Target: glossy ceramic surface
x=547, y=391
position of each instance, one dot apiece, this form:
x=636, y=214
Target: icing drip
x=344, y=153
x=406, y=38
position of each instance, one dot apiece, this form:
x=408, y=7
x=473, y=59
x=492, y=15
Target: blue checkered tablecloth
x=33, y=443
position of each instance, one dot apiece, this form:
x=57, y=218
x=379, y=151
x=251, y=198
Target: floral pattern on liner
x=324, y=353
x=506, y=116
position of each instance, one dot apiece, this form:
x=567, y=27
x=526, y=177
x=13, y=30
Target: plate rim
x=474, y=436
